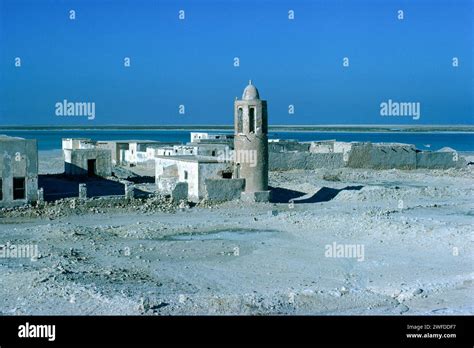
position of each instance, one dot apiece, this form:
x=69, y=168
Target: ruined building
x=18, y=171
x=83, y=158
x=215, y=168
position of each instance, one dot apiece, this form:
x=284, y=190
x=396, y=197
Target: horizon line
x=231, y=125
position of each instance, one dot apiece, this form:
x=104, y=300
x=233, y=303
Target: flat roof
x=98, y=149
x=4, y=137
x=191, y=158
x=88, y=139
x=163, y=144
x=130, y=141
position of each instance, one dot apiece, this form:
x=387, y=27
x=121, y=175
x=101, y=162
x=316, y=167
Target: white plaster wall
x=66, y=144
x=208, y=171
x=67, y=156
x=322, y=148
x=193, y=178
x=198, y=135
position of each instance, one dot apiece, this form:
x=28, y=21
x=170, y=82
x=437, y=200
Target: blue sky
x=190, y=62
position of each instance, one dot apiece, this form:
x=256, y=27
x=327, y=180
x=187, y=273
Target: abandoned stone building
x=199, y=149
x=83, y=158
x=133, y=152
x=117, y=150
x=137, y=151
x=191, y=170
x=202, y=137
x=223, y=167
x=18, y=171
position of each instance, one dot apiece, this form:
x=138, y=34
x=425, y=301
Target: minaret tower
x=251, y=143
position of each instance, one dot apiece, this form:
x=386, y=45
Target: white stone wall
x=73, y=144
x=208, y=171
x=327, y=147
x=195, y=136
x=131, y=153
x=198, y=172
x=344, y=148
x=193, y=178
x=189, y=166
x=67, y=155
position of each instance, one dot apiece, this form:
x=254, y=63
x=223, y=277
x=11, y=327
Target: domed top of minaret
x=250, y=92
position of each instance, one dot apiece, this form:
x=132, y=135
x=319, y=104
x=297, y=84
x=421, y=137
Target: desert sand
x=148, y=256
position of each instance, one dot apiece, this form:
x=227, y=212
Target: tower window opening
x=264, y=123
x=252, y=120
x=240, y=121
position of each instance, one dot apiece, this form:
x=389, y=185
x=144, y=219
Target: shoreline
x=443, y=129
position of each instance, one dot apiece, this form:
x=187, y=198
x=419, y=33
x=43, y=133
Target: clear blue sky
x=190, y=62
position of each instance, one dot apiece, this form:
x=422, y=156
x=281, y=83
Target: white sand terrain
x=149, y=257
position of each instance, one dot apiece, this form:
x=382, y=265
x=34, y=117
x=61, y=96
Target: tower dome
x=250, y=92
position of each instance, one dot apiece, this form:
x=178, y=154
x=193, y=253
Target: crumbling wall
x=439, y=160
x=180, y=192
x=18, y=159
x=78, y=164
x=210, y=170
x=322, y=146
x=114, y=148
x=364, y=155
x=170, y=171
x=304, y=160
x=221, y=190
x=287, y=146
x=382, y=156
x=31, y=149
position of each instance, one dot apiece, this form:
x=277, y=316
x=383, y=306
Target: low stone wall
x=304, y=160
x=166, y=184
x=220, y=190
x=439, y=160
x=286, y=146
x=378, y=156
x=367, y=155
x=180, y=192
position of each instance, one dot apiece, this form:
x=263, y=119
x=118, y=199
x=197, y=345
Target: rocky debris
x=417, y=292
x=123, y=173
x=331, y=177
x=97, y=205
x=402, y=308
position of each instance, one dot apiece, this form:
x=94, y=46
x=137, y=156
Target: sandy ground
x=235, y=258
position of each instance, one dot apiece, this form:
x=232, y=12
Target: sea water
x=51, y=139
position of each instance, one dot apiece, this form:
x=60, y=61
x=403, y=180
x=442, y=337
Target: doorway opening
x=91, y=167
